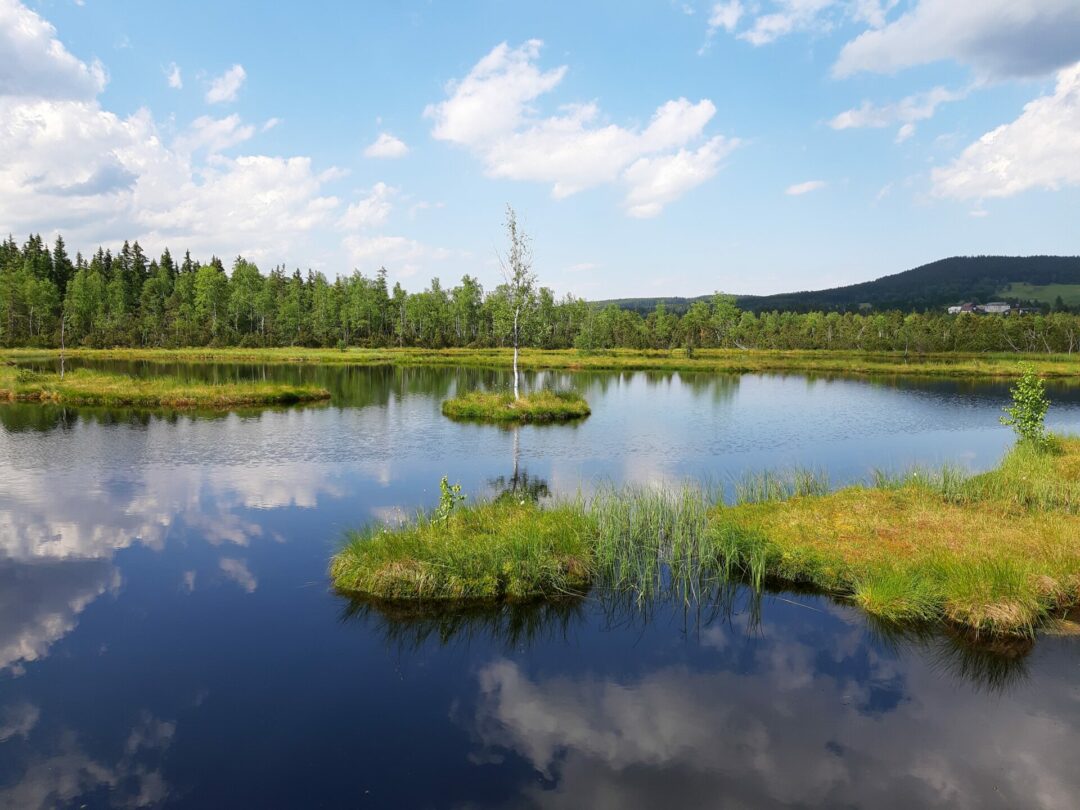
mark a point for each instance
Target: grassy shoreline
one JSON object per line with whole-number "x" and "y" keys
{"x": 95, "y": 388}
{"x": 501, "y": 407}
{"x": 1003, "y": 366}
{"x": 995, "y": 554}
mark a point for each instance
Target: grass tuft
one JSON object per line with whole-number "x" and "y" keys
{"x": 535, "y": 406}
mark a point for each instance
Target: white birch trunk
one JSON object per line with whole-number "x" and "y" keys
{"x": 517, "y": 392}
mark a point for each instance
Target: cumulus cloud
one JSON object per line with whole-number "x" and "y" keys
{"x": 386, "y": 146}
{"x": 996, "y": 38}
{"x": 36, "y": 64}
{"x": 214, "y": 134}
{"x": 654, "y": 182}
{"x": 72, "y": 165}
{"x": 1040, "y": 149}
{"x": 372, "y": 211}
{"x": 491, "y": 112}
{"x": 227, "y": 86}
{"x": 174, "y": 77}
{"x": 906, "y": 112}
{"x": 798, "y": 189}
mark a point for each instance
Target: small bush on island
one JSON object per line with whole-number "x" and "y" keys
{"x": 536, "y": 406}
{"x": 98, "y": 388}
{"x": 994, "y": 554}
{"x": 1027, "y": 414}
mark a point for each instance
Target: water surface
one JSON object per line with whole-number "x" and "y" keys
{"x": 167, "y": 636}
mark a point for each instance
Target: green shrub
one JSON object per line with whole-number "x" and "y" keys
{"x": 1027, "y": 413}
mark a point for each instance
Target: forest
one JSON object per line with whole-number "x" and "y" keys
{"x": 129, "y": 299}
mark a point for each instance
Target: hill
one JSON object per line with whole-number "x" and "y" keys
{"x": 1019, "y": 279}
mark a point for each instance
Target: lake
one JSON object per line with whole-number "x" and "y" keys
{"x": 168, "y": 636}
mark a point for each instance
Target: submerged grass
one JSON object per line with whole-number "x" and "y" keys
{"x": 1001, "y": 365}
{"x": 96, "y": 388}
{"x": 995, "y": 554}
{"x": 536, "y": 406}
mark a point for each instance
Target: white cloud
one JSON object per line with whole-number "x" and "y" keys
{"x": 492, "y": 99}
{"x": 996, "y": 38}
{"x": 18, "y": 720}
{"x": 799, "y": 189}
{"x": 36, "y": 64}
{"x": 490, "y": 112}
{"x": 270, "y": 123}
{"x": 1040, "y": 149}
{"x": 786, "y": 17}
{"x": 214, "y": 134}
{"x": 71, "y": 165}
{"x": 227, "y": 86}
{"x": 656, "y": 181}
{"x": 917, "y": 107}
{"x": 725, "y": 15}
{"x": 386, "y": 146}
{"x": 372, "y": 211}
{"x": 174, "y": 77}
{"x": 238, "y": 572}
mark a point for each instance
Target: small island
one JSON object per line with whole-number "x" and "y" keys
{"x": 503, "y": 407}
{"x": 993, "y": 553}
{"x": 104, "y": 389}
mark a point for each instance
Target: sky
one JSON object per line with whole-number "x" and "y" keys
{"x": 649, "y": 148}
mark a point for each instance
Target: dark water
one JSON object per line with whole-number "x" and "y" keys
{"x": 167, "y": 636}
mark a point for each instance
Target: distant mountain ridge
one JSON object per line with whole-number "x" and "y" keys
{"x": 931, "y": 286}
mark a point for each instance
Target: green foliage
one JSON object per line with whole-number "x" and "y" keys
{"x": 449, "y": 497}
{"x": 129, "y": 300}
{"x": 1027, "y": 414}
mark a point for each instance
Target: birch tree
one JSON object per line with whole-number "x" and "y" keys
{"x": 520, "y": 282}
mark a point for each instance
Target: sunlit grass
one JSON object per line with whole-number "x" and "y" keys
{"x": 1003, "y": 365}
{"x": 994, "y": 558}
{"x": 96, "y": 388}
{"x": 490, "y": 551}
{"x": 536, "y": 406}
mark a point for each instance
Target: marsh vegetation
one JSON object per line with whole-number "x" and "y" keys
{"x": 536, "y": 406}
{"x": 98, "y": 388}
{"x": 994, "y": 553}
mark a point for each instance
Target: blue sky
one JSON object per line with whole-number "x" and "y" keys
{"x": 650, "y": 148}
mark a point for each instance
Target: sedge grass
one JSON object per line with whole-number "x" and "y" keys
{"x": 536, "y": 406}
{"x": 96, "y": 388}
{"x": 923, "y": 548}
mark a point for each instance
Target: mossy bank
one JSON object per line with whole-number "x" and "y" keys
{"x": 995, "y": 553}
{"x": 96, "y": 388}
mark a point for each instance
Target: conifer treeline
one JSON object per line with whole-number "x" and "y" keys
{"x": 129, "y": 299}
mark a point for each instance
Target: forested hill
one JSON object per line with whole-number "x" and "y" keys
{"x": 932, "y": 286}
